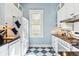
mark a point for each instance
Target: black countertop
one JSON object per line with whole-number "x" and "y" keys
{"x": 76, "y": 46}
{"x": 16, "y": 38}
{"x": 73, "y": 41}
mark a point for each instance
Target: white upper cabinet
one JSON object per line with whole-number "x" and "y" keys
{"x": 7, "y": 11}
{"x": 69, "y": 10}
{"x": 76, "y": 8}
{"x": 12, "y": 10}
{"x": 61, "y": 15}
{"x": 2, "y": 19}
{"x": 62, "y": 12}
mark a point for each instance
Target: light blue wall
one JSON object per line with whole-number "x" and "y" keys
{"x": 49, "y": 21}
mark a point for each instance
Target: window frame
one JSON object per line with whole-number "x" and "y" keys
{"x": 41, "y": 24}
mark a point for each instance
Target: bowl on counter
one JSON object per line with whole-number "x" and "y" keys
{"x": 75, "y": 34}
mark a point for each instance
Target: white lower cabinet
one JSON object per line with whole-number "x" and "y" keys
{"x": 55, "y": 44}
{"x": 60, "y": 45}
{"x": 18, "y": 48}
{"x": 14, "y": 48}
{"x": 4, "y": 50}
{"x": 63, "y": 45}
{"x": 24, "y": 47}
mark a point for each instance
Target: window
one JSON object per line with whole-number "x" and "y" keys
{"x": 36, "y": 23}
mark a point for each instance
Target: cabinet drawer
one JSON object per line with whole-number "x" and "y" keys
{"x": 61, "y": 47}
{"x": 64, "y": 43}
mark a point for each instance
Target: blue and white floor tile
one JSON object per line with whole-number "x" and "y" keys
{"x": 40, "y": 51}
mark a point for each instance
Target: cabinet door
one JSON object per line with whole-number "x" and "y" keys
{"x": 76, "y": 8}
{"x": 55, "y": 44}
{"x": 24, "y": 46}
{"x": 69, "y": 8}
{"x": 58, "y": 18}
{"x": 4, "y": 50}
{"x": 66, "y": 11}
{"x": 76, "y": 27}
{"x": 61, "y": 13}
{"x": 53, "y": 41}
{"x": 12, "y": 10}
{"x": 14, "y": 48}
{"x": 62, "y": 47}
{"x": 18, "y": 48}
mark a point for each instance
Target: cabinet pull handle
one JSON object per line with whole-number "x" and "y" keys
{"x": 72, "y": 14}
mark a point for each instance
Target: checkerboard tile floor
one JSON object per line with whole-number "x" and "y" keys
{"x": 40, "y": 51}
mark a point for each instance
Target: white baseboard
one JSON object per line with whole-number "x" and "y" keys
{"x": 40, "y": 45}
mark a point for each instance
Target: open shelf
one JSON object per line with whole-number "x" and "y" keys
{"x": 71, "y": 20}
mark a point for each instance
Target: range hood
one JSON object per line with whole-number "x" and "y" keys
{"x": 71, "y": 20}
